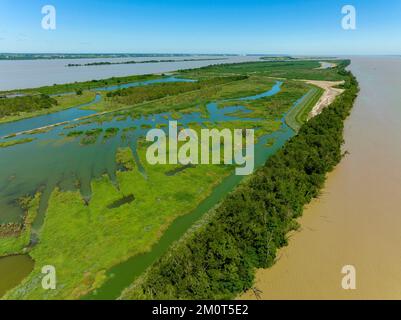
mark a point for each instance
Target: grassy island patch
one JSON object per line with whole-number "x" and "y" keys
{"x": 11, "y": 143}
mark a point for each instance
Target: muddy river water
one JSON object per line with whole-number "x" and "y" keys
{"x": 357, "y": 220}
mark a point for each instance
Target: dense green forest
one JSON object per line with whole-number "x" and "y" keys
{"x": 217, "y": 259}
{"x": 107, "y": 63}
{"x": 13, "y": 106}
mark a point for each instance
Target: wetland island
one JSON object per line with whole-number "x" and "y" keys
{"x": 77, "y": 193}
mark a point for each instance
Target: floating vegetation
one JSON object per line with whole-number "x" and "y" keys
{"x": 142, "y": 142}
{"x": 38, "y": 131}
{"x": 122, "y": 118}
{"x": 130, "y": 129}
{"x": 91, "y": 136}
{"x": 146, "y": 126}
{"x": 104, "y": 118}
{"x": 125, "y": 159}
{"x": 94, "y": 132}
{"x": 75, "y": 133}
{"x": 135, "y": 115}
{"x": 83, "y": 123}
{"x": 110, "y": 132}
{"x": 15, "y": 142}
{"x": 10, "y": 136}
{"x": 176, "y": 116}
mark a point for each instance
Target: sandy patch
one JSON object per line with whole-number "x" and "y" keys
{"x": 329, "y": 95}
{"x": 326, "y": 65}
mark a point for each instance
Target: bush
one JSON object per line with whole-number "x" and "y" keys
{"x": 13, "y": 106}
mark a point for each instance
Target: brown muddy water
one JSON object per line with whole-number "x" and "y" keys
{"x": 13, "y": 269}
{"x": 357, "y": 220}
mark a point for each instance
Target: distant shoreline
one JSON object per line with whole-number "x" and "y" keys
{"x": 60, "y": 56}
{"x": 108, "y": 63}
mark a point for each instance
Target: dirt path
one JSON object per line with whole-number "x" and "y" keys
{"x": 329, "y": 95}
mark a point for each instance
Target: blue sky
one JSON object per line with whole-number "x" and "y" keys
{"x": 202, "y": 26}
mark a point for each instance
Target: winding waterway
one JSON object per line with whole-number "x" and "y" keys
{"x": 357, "y": 219}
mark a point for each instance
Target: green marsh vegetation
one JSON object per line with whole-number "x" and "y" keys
{"x": 91, "y": 136}
{"x": 110, "y": 132}
{"x": 136, "y": 95}
{"x": 125, "y": 159}
{"x": 39, "y": 131}
{"x": 11, "y": 143}
{"x": 131, "y": 96}
{"x": 77, "y": 235}
{"x": 274, "y": 106}
{"x": 196, "y": 100}
{"x": 299, "y": 115}
{"x": 75, "y": 133}
{"x": 277, "y": 69}
{"x": 19, "y": 241}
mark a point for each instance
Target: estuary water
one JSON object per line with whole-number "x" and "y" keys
{"x": 357, "y": 220}
{"x": 22, "y": 74}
